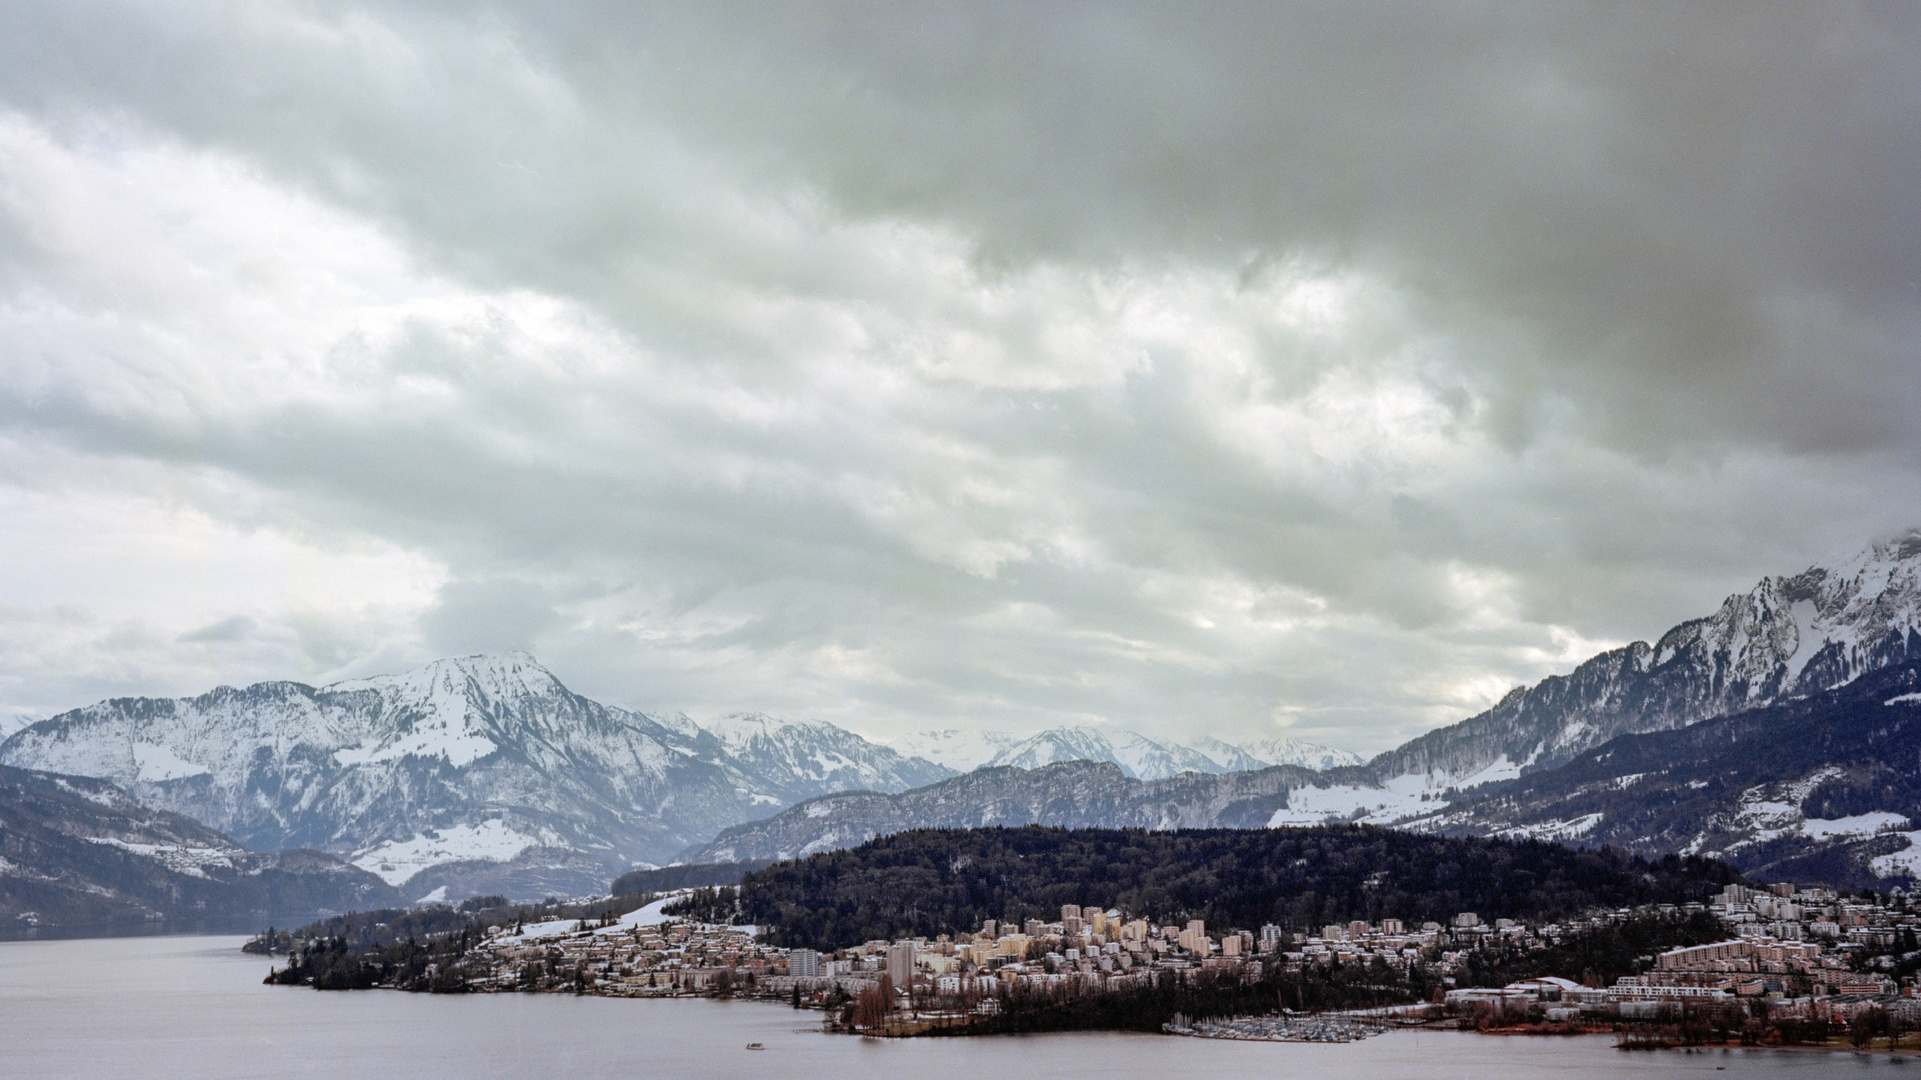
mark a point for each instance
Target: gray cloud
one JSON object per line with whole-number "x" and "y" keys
{"x": 487, "y": 616}
{"x": 1182, "y": 366}
{"x": 231, "y": 628}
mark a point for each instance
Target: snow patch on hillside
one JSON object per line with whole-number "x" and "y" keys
{"x": 441, "y": 738}
{"x": 397, "y": 860}
{"x": 652, "y": 915}
{"x": 1501, "y": 768}
{"x": 189, "y": 859}
{"x": 550, "y": 928}
{"x": 1900, "y": 863}
{"x": 1402, "y": 797}
{"x": 1571, "y": 829}
{"x": 1868, "y": 824}
{"x": 1768, "y": 812}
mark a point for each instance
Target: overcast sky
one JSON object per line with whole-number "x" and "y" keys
{"x": 1315, "y": 369}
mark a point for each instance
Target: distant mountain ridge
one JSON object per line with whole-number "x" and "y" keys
{"x": 1139, "y": 756}
{"x": 486, "y": 774}
{"x": 1071, "y": 794}
{"x": 1825, "y": 787}
{"x": 473, "y": 763}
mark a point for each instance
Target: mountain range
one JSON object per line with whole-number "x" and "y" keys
{"x": 1069, "y": 794}
{"x": 1139, "y": 756}
{"x": 1775, "y": 732}
{"x": 484, "y": 770}
{"x": 486, "y": 774}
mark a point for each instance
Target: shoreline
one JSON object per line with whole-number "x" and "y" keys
{"x": 1587, "y": 1037}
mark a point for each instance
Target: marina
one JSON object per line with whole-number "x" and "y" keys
{"x": 1295, "y": 1029}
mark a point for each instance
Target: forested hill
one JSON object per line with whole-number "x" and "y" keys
{"x": 937, "y": 881}
{"x": 81, "y": 856}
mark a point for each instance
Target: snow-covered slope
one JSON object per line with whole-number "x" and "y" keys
{"x": 1138, "y": 755}
{"x": 476, "y": 759}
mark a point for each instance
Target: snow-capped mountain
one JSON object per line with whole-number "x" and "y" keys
{"x": 959, "y": 749}
{"x": 484, "y": 761}
{"x": 792, "y": 760}
{"x": 76, "y": 852}
{"x": 1785, "y": 639}
{"x": 1285, "y": 751}
{"x": 1138, "y": 755}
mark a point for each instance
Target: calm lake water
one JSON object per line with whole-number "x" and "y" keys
{"x": 194, "y": 1007}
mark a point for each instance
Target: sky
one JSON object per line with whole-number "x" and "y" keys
{"x": 1309, "y": 370}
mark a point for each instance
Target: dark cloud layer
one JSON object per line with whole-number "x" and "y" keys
{"x": 1331, "y": 366}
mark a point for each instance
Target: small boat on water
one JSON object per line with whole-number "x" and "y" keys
{"x": 756, "y": 1046}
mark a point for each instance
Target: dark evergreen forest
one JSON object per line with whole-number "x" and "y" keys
{"x": 692, "y": 876}
{"x": 937, "y": 881}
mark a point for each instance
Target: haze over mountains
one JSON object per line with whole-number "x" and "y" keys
{"x": 1138, "y": 756}
{"x": 1775, "y": 731}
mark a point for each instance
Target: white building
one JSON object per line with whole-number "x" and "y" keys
{"x": 900, "y": 964}
{"x": 804, "y": 963}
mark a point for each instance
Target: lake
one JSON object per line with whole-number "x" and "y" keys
{"x": 167, "y": 1007}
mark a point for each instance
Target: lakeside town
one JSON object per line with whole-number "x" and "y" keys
{"x": 1804, "y": 964}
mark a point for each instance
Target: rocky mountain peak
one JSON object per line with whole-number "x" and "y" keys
{"x": 738, "y": 730}
{"x": 1787, "y": 637}
{"x": 480, "y": 679}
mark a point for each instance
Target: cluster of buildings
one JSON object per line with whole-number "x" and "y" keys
{"x": 1790, "y": 946}
{"x": 1807, "y": 952}
{"x": 1094, "y": 949}
{"x": 652, "y": 960}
